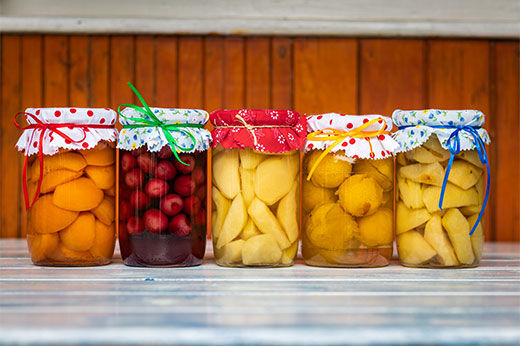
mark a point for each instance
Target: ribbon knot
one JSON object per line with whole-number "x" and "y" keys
{"x": 338, "y": 136}
{"x": 52, "y": 128}
{"x": 155, "y": 122}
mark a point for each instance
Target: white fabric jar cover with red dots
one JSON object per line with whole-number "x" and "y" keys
{"x": 85, "y": 128}
{"x": 352, "y": 135}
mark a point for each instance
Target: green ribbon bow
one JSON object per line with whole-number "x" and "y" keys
{"x": 155, "y": 122}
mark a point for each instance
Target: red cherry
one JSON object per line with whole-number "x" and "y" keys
{"x": 134, "y": 178}
{"x": 155, "y": 221}
{"x": 165, "y": 170}
{"x": 156, "y": 188}
{"x": 201, "y": 192}
{"x": 139, "y": 151}
{"x": 165, "y": 152}
{"x": 122, "y": 234}
{"x": 184, "y": 185}
{"x": 171, "y": 204}
{"x": 191, "y": 205}
{"x": 127, "y": 161}
{"x": 198, "y": 175}
{"x": 180, "y": 225}
{"x": 187, "y": 159}
{"x": 146, "y": 162}
{"x": 139, "y": 200}
{"x": 134, "y": 225}
{"x": 124, "y": 210}
{"x": 200, "y": 218}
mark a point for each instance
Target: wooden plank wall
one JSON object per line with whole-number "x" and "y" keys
{"x": 307, "y": 74}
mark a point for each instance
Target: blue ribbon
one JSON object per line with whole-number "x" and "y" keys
{"x": 454, "y": 148}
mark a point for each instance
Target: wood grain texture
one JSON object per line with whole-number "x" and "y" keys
{"x": 506, "y": 124}
{"x": 122, "y": 70}
{"x": 234, "y": 76}
{"x": 145, "y": 68}
{"x": 326, "y": 75}
{"x": 281, "y": 73}
{"x": 78, "y": 75}
{"x": 258, "y": 81}
{"x": 98, "y": 71}
{"x": 166, "y": 71}
{"x": 296, "y": 305}
{"x": 191, "y": 72}
{"x": 391, "y": 76}
{"x": 213, "y": 73}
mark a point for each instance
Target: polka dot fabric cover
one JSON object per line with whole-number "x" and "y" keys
{"x": 416, "y": 126}
{"x": 383, "y": 146}
{"x": 133, "y": 138}
{"x": 52, "y": 142}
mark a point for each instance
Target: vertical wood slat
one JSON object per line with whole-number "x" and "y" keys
{"x": 98, "y": 71}
{"x": 145, "y": 68}
{"x": 281, "y": 73}
{"x": 233, "y": 88}
{"x": 459, "y": 79}
{"x": 213, "y": 73}
{"x": 32, "y": 91}
{"x": 10, "y": 170}
{"x": 78, "y": 75}
{"x": 325, "y": 75}
{"x": 190, "y": 72}
{"x": 257, "y": 74}
{"x": 122, "y": 65}
{"x": 166, "y": 72}
{"x": 391, "y": 75}
{"x": 56, "y": 71}
{"x": 506, "y": 221}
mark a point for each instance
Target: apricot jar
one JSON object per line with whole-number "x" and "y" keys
{"x": 70, "y": 184}
{"x": 162, "y": 200}
{"x": 256, "y": 187}
{"x": 441, "y": 153}
{"x": 348, "y": 191}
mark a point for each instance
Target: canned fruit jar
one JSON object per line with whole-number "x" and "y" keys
{"x": 348, "y": 191}
{"x": 256, "y": 186}
{"x": 441, "y": 154}
{"x": 162, "y": 201}
{"x": 70, "y": 184}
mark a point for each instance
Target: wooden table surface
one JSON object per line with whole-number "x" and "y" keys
{"x": 298, "y": 305}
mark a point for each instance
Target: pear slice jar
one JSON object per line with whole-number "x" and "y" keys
{"x": 348, "y": 172}
{"x": 426, "y": 235}
{"x": 256, "y": 187}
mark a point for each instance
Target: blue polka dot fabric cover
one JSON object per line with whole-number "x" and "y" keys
{"x": 416, "y": 126}
{"x": 133, "y": 138}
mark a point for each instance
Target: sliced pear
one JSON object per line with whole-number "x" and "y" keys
{"x": 247, "y": 178}
{"x": 236, "y": 219}
{"x": 410, "y": 193}
{"x": 408, "y": 219}
{"x": 249, "y": 159}
{"x": 472, "y": 157}
{"x": 471, "y": 210}
{"x": 458, "y": 231}
{"x": 477, "y": 238}
{"x": 431, "y": 173}
{"x": 250, "y": 230}
{"x": 273, "y": 177}
{"x": 261, "y": 250}
{"x": 434, "y": 145}
{"x": 368, "y": 167}
{"x": 413, "y": 249}
{"x": 464, "y": 174}
{"x": 222, "y": 204}
{"x": 231, "y": 252}
{"x": 287, "y": 212}
{"x": 438, "y": 239}
{"x": 401, "y": 159}
{"x": 225, "y": 173}
{"x": 454, "y": 197}
{"x": 289, "y": 254}
{"x": 267, "y": 222}
{"x": 423, "y": 155}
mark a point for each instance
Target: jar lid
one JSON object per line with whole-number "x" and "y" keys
{"x": 359, "y": 136}
{"x": 191, "y": 139}
{"x": 416, "y": 126}
{"x": 266, "y": 130}
{"x": 52, "y": 129}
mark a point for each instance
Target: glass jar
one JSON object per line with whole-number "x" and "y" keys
{"x": 426, "y": 235}
{"x": 162, "y": 208}
{"x": 348, "y": 192}
{"x": 162, "y": 185}
{"x": 256, "y": 187}
{"x": 71, "y": 197}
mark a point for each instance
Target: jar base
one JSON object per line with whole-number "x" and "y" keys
{"x": 231, "y": 265}
{"x": 432, "y": 266}
{"x": 71, "y": 264}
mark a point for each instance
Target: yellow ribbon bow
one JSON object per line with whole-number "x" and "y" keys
{"x": 339, "y": 136}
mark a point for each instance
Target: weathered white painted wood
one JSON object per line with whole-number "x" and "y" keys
{"x": 464, "y": 18}
{"x": 298, "y": 305}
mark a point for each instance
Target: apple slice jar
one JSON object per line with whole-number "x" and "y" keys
{"x": 442, "y": 187}
{"x": 162, "y": 201}
{"x": 256, "y": 186}
{"x": 348, "y": 189}
{"x": 69, "y": 185}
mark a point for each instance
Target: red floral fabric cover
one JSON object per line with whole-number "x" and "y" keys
{"x": 276, "y": 131}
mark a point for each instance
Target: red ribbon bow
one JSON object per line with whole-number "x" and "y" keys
{"x": 43, "y": 127}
